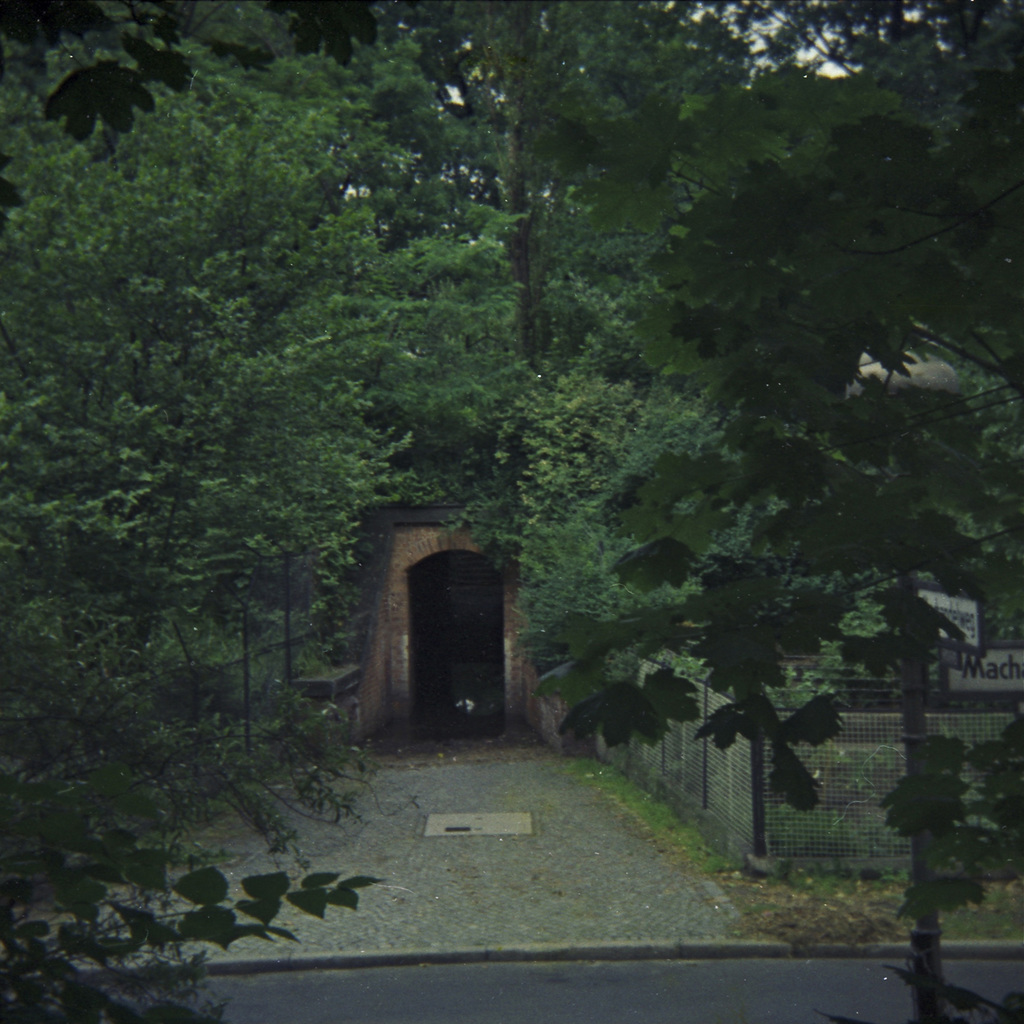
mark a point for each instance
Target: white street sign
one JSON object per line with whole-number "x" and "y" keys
{"x": 964, "y": 612}
{"x": 999, "y": 671}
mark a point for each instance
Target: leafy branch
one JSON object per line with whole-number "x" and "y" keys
{"x": 939, "y": 232}
{"x": 77, "y": 896}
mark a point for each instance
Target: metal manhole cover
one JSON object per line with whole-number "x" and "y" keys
{"x": 512, "y": 824}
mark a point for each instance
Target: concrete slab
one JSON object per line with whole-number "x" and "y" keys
{"x": 508, "y": 824}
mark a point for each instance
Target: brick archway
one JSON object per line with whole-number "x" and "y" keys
{"x": 386, "y": 691}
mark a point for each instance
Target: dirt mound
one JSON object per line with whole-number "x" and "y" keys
{"x": 777, "y": 913}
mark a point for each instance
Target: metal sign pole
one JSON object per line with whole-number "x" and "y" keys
{"x": 925, "y": 954}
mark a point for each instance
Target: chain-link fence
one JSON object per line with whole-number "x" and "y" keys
{"x": 698, "y": 778}
{"x": 728, "y": 790}
{"x": 277, "y": 620}
{"x": 259, "y": 652}
{"x": 854, "y": 772}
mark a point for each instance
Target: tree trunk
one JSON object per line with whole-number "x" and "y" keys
{"x": 513, "y": 57}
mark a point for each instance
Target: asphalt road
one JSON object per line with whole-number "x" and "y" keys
{"x": 647, "y": 992}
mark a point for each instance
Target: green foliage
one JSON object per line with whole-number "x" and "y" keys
{"x": 164, "y": 423}
{"x": 499, "y": 73}
{"x": 149, "y": 394}
{"x": 428, "y": 333}
{"x": 572, "y": 452}
{"x": 148, "y": 35}
{"x": 970, "y": 798}
{"x": 771, "y": 314}
{"x": 813, "y": 221}
{"x": 201, "y": 757}
{"x": 923, "y": 49}
{"x": 295, "y": 290}
{"x": 109, "y": 902}
{"x": 330, "y": 26}
{"x": 571, "y": 436}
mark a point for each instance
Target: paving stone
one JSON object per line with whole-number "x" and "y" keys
{"x": 584, "y": 876}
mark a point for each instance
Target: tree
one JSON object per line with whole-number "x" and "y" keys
{"x": 500, "y": 71}
{"x": 132, "y": 46}
{"x": 387, "y": 241}
{"x": 428, "y": 335}
{"x": 572, "y": 451}
{"x": 563, "y": 336}
{"x": 921, "y": 49}
{"x": 112, "y": 900}
{"x": 152, "y": 447}
{"x": 822, "y": 221}
{"x": 164, "y": 420}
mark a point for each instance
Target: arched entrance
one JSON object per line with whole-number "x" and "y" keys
{"x": 456, "y": 606}
{"x": 402, "y": 542}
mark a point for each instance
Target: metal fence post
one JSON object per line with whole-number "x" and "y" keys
{"x": 704, "y": 802}
{"x": 287, "y": 619}
{"x": 246, "y": 678}
{"x": 757, "y": 818}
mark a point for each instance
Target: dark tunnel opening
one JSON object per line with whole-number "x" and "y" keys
{"x": 456, "y": 600}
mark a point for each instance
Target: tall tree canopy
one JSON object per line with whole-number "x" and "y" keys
{"x": 153, "y": 446}
{"x": 260, "y": 277}
{"x": 817, "y": 223}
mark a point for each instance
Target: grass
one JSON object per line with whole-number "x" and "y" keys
{"x": 802, "y": 904}
{"x": 677, "y": 838}
{"x": 999, "y": 916}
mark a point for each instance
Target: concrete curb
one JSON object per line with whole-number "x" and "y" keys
{"x": 982, "y": 950}
{"x": 952, "y": 950}
{"x": 610, "y": 952}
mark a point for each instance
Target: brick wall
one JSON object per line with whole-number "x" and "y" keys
{"x": 386, "y": 690}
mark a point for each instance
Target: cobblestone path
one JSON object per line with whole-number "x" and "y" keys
{"x": 586, "y": 875}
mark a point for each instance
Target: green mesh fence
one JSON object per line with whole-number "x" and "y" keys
{"x": 696, "y": 776}
{"x": 853, "y": 771}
